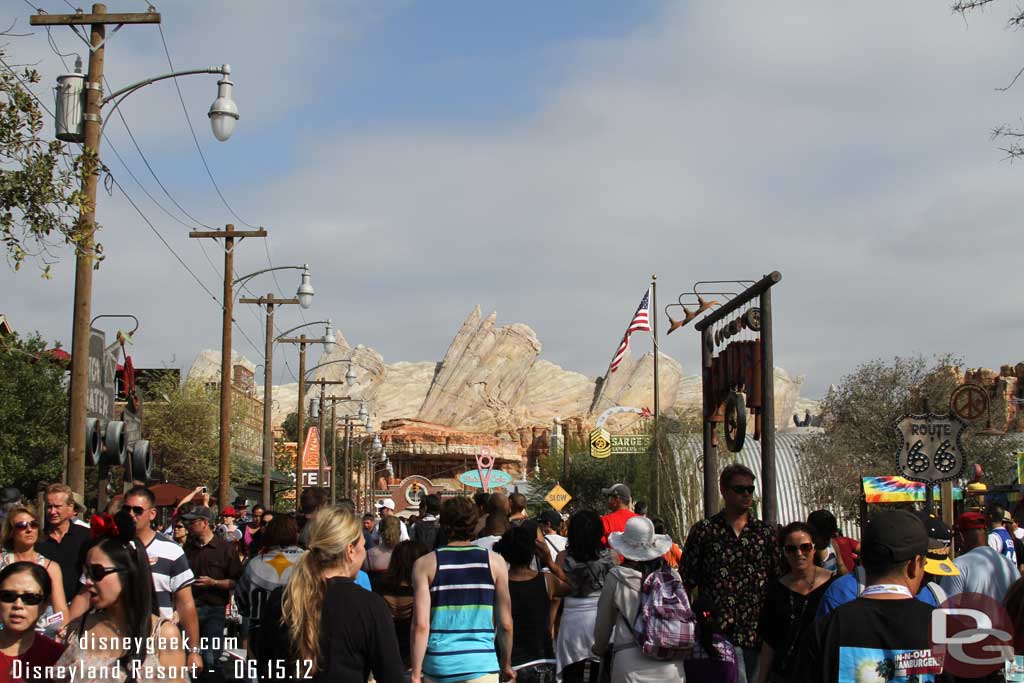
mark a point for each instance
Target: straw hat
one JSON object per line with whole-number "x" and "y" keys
{"x": 638, "y": 541}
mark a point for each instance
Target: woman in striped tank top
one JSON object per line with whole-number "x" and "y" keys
{"x": 460, "y": 598}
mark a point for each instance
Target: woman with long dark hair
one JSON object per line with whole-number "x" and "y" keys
{"x": 396, "y": 589}
{"x": 122, "y": 611}
{"x": 531, "y": 593}
{"x": 586, "y": 563}
{"x": 792, "y": 603}
{"x": 24, "y": 595}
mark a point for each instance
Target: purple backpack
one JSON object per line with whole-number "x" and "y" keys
{"x": 665, "y": 625}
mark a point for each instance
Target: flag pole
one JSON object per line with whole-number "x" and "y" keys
{"x": 655, "y": 474}
{"x": 604, "y": 382}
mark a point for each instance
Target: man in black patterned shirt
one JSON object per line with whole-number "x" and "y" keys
{"x": 730, "y": 558}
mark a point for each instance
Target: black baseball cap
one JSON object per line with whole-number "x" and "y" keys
{"x": 620, "y": 491}
{"x": 551, "y": 517}
{"x": 893, "y": 536}
{"x": 198, "y": 512}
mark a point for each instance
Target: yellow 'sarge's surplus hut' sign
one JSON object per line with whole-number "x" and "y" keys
{"x": 603, "y": 444}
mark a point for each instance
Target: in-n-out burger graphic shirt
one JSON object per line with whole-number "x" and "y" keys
{"x": 872, "y": 640}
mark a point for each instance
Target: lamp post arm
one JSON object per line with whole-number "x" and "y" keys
{"x": 350, "y": 359}
{"x": 124, "y": 92}
{"x": 223, "y": 69}
{"x": 269, "y": 270}
{"x": 311, "y": 340}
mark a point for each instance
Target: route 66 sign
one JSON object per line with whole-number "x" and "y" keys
{"x": 930, "y": 447}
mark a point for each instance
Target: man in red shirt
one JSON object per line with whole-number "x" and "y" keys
{"x": 619, "y": 498}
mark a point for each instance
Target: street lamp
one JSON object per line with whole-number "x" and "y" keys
{"x": 79, "y": 105}
{"x": 224, "y": 112}
{"x": 302, "y": 299}
{"x": 350, "y": 376}
{"x": 305, "y": 293}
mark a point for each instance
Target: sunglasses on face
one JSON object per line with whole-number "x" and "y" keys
{"x": 803, "y": 548}
{"x": 740, "y": 490}
{"x": 21, "y": 526}
{"x": 136, "y": 510}
{"x": 97, "y": 572}
{"x": 179, "y": 526}
{"x": 27, "y": 598}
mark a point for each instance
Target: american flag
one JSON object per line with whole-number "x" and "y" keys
{"x": 641, "y": 322}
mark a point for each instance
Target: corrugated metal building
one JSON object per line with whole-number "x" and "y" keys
{"x": 791, "y": 505}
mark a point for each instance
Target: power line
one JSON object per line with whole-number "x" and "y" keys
{"x": 195, "y": 139}
{"x": 153, "y": 173}
{"x": 184, "y": 265}
{"x": 213, "y": 181}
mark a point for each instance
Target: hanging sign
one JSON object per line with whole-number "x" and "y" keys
{"x": 930, "y": 448}
{"x": 497, "y": 479}
{"x": 102, "y": 373}
{"x": 558, "y": 497}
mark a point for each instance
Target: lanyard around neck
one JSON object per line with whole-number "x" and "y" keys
{"x": 887, "y": 588}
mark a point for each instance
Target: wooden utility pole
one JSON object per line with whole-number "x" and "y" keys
{"x": 228, "y": 234}
{"x": 760, "y": 290}
{"x": 268, "y": 375}
{"x": 85, "y": 230}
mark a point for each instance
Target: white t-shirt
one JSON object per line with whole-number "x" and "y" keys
{"x": 556, "y": 544}
{"x": 487, "y": 542}
{"x": 982, "y": 570}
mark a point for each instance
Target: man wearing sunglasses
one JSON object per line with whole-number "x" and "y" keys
{"x": 731, "y": 558}
{"x": 172, "y": 576}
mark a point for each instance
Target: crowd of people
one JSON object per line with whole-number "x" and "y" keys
{"x": 477, "y": 589}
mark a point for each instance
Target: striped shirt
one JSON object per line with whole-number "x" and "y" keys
{"x": 171, "y": 572}
{"x": 461, "y": 642}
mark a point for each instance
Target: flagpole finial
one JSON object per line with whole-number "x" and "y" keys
{"x": 654, "y": 277}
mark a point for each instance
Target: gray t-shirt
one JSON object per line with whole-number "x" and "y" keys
{"x": 982, "y": 570}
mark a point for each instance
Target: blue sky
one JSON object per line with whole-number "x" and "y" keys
{"x": 543, "y": 159}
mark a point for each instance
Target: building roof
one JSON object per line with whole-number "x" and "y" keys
{"x": 5, "y": 327}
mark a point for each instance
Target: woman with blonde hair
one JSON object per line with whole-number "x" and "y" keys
{"x": 342, "y": 630}
{"x": 20, "y": 533}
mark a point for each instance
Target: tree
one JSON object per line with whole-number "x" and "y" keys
{"x": 33, "y": 414}
{"x": 40, "y": 199}
{"x": 1012, "y": 135}
{"x": 588, "y": 475}
{"x": 859, "y": 439}
{"x": 182, "y": 422}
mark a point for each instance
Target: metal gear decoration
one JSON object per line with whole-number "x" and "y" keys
{"x": 735, "y": 422}
{"x": 753, "y": 319}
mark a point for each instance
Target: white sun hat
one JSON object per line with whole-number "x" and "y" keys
{"x": 638, "y": 541}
